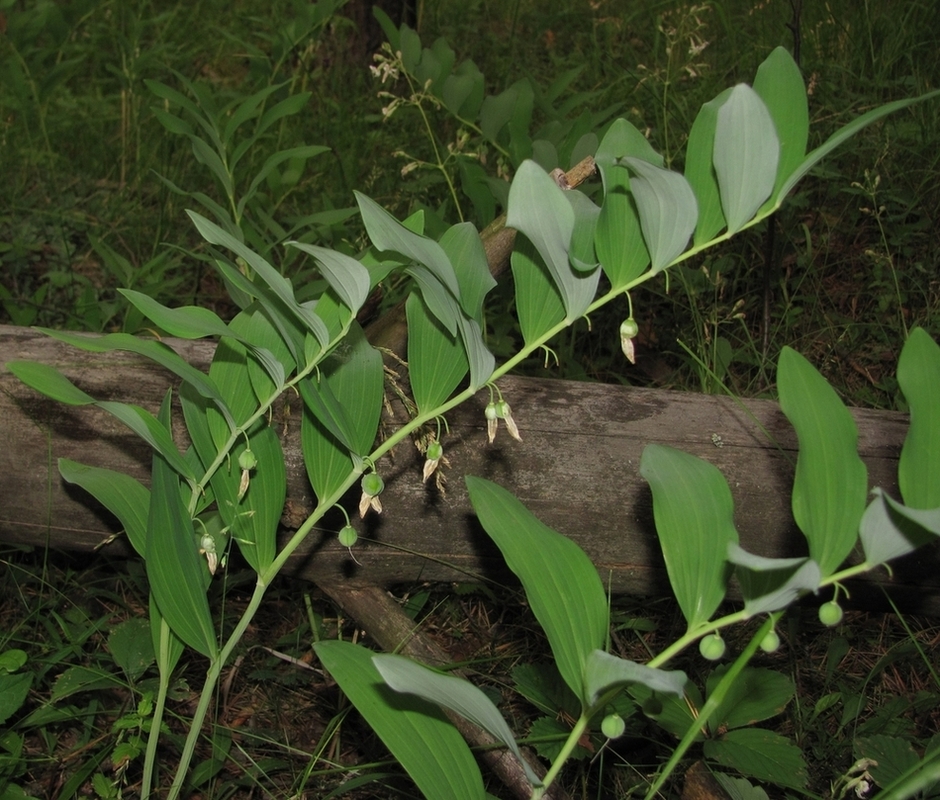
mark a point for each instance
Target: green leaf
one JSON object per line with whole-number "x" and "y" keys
{"x": 464, "y": 247}
{"x": 253, "y": 520}
{"x": 890, "y": 530}
{"x": 694, "y": 516}
{"x": 831, "y": 481}
{"x": 349, "y": 279}
{"x": 605, "y": 671}
{"x": 538, "y": 209}
{"x": 844, "y": 133}
{"x": 131, "y": 646}
{"x": 560, "y": 582}
{"x": 14, "y": 689}
{"x": 618, "y": 238}
{"x": 50, "y": 382}
{"x": 178, "y": 579}
{"x": 436, "y": 360}
{"x": 700, "y": 170}
{"x": 416, "y": 732}
{"x": 167, "y": 646}
{"x": 760, "y": 754}
{"x": 327, "y": 461}
{"x": 146, "y": 426}
{"x": 667, "y": 208}
{"x": 121, "y": 494}
{"x": 438, "y": 300}
{"x": 281, "y": 287}
{"x": 456, "y": 694}
{"x": 157, "y": 352}
{"x": 347, "y": 398}
{"x": 919, "y": 379}
{"x": 780, "y": 85}
{"x": 186, "y": 322}
{"x": 621, "y": 140}
{"x": 755, "y": 695}
{"x": 769, "y": 584}
{"x": 747, "y": 152}
{"x": 539, "y": 305}
{"x": 581, "y": 252}
{"x": 387, "y": 233}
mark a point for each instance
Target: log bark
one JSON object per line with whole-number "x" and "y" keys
{"x": 576, "y": 469}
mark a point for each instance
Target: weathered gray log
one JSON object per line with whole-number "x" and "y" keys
{"x": 577, "y": 469}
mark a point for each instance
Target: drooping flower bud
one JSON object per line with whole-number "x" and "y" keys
{"x": 628, "y": 331}
{"x": 492, "y": 420}
{"x": 372, "y": 486}
{"x": 435, "y": 453}
{"x": 504, "y": 412}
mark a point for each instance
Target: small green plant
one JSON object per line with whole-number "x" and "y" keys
{"x": 746, "y": 151}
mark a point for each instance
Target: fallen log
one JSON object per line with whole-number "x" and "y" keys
{"x": 576, "y": 469}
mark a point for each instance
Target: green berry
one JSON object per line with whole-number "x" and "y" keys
{"x": 629, "y": 328}
{"x": 613, "y": 726}
{"x": 347, "y": 536}
{"x": 771, "y": 642}
{"x": 712, "y": 646}
{"x": 247, "y": 460}
{"x": 372, "y": 484}
{"x": 435, "y": 451}
{"x": 830, "y": 614}
{"x": 490, "y": 411}
{"x": 502, "y": 409}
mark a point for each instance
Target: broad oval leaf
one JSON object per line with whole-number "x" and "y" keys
{"x": 187, "y": 322}
{"x": 667, "y": 207}
{"x": 560, "y": 582}
{"x": 539, "y": 306}
{"x": 694, "y": 515}
{"x": 436, "y": 360}
{"x": 177, "y": 578}
{"x": 581, "y": 253}
{"x": 754, "y": 695}
{"x": 349, "y": 279}
{"x": 464, "y": 248}
{"x": 122, "y": 495}
{"x": 50, "y": 382}
{"x": 387, "y": 233}
{"x": 890, "y": 530}
{"x": 761, "y": 754}
{"x": 605, "y": 672}
{"x": 700, "y": 170}
{"x": 769, "y": 584}
{"x": 780, "y": 85}
{"x": 416, "y": 732}
{"x": 747, "y": 152}
{"x": 919, "y": 379}
{"x": 457, "y": 694}
{"x": 831, "y": 481}
{"x": 538, "y": 209}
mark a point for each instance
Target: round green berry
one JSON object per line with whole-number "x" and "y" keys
{"x": 712, "y": 646}
{"x": 347, "y": 536}
{"x": 435, "y": 451}
{"x": 629, "y": 328}
{"x": 613, "y": 726}
{"x": 372, "y": 484}
{"x": 830, "y": 614}
{"x": 247, "y": 460}
{"x": 771, "y": 642}
{"x": 490, "y": 411}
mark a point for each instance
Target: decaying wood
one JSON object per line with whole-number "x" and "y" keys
{"x": 576, "y": 469}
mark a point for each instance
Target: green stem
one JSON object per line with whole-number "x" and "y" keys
{"x": 208, "y": 690}
{"x": 714, "y": 701}
{"x": 567, "y": 749}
